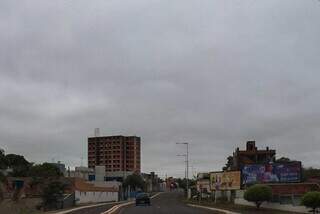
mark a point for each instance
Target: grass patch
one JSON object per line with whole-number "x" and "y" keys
{"x": 236, "y": 208}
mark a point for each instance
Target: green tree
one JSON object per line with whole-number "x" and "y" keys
{"x": 283, "y": 160}
{"x": 44, "y": 170}
{"x": 3, "y": 161}
{"x": 19, "y": 165}
{"x": 135, "y": 182}
{"x": 311, "y": 200}
{"x": 2, "y": 179}
{"x": 258, "y": 194}
{"x": 310, "y": 172}
{"x": 52, "y": 193}
{"x": 229, "y": 164}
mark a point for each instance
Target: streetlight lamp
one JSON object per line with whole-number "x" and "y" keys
{"x": 187, "y": 163}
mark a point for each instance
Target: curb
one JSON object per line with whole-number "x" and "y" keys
{"x": 116, "y": 207}
{"x": 213, "y": 209}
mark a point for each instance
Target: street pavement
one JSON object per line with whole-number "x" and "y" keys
{"x": 93, "y": 210}
{"x": 165, "y": 203}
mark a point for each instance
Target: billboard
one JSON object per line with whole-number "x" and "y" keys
{"x": 203, "y": 185}
{"x": 225, "y": 180}
{"x": 272, "y": 173}
{"x": 203, "y": 176}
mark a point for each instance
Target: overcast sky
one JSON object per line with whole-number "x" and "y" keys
{"x": 213, "y": 73}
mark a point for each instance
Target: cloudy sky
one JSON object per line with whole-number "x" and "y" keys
{"x": 215, "y": 73}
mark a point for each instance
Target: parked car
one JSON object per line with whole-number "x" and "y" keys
{"x": 143, "y": 198}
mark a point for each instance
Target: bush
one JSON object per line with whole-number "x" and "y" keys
{"x": 258, "y": 194}
{"x": 222, "y": 199}
{"x": 311, "y": 200}
{"x": 52, "y": 194}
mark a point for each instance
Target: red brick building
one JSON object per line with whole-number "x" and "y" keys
{"x": 293, "y": 188}
{"x": 252, "y": 155}
{"x": 116, "y": 153}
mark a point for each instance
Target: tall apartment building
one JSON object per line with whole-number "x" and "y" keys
{"x": 117, "y": 153}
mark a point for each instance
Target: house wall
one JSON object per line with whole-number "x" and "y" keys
{"x": 95, "y": 197}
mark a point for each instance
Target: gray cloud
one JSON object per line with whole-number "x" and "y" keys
{"x": 215, "y": 73}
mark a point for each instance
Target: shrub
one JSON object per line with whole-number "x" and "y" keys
{"x": 311, "y": 200}
{"x": 52, "y": 193}
{"x": 258, "y": 194}
{"x": 222, "y": 199}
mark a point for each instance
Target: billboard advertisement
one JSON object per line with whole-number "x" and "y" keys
{"x": 272, "y": 173}
{"x": 203, "y": 176}
{"x": 203, "y": 185}
{"x": 225, "y": 180}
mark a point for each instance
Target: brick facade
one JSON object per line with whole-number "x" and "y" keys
{"x": 116, "y": 153}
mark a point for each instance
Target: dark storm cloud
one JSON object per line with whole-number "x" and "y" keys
{"x": 214, "y": 73}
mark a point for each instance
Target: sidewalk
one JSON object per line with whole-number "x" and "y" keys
{"x": 233, "y": 208}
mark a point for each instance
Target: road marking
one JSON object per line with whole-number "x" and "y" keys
{"x": 116, "y": 207}
{"x": 84, "y": 207}
{"x": 214, "y": 209}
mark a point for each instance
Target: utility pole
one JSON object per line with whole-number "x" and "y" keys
{"x": 187, "y": 163}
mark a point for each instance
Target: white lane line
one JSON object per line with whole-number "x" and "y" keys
{"x": 116, "y": 207}
{"x": 84, "y": 207}
{"x": 213, "y": 209}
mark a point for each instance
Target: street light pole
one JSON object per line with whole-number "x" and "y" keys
{"x": 187, "y": 163}
{"x": 187, "y": 169}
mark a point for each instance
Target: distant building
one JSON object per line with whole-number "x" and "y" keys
{"x": 61, "y": 167}
{"x": 152, "y": 182}
{"x": 203, "y": 182}
{"x": 121, "y": 155}
{"x": 171, "y": 183}
{"x": 86, "y": 192}
{"x": 252, "y": 155}
{"x": 82, "y": 172}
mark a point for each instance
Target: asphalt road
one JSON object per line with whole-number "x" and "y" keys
{"x": 93, "y": 210}
{"x": 165, "y": 203}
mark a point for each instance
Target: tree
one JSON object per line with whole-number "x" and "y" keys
{"x": 19, "y": 165}
{"x": 52, "y": 193}
{"x": 308, "y": 173}
{"x": 2, "y": 179}
{"x": 283, "y": 160}
{"x": 229, "y": 164}
{"x": 258, "y": 194}
{"x": 3, "y": 161}
{"x": 44, "y": 170}
{"x": 311, "y": 200}
{"x": 135, "y": 181}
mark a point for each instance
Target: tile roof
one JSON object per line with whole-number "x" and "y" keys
{"x": 82, "y": 185}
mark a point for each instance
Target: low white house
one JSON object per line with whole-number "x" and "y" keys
{"x": 86, "y": 192}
